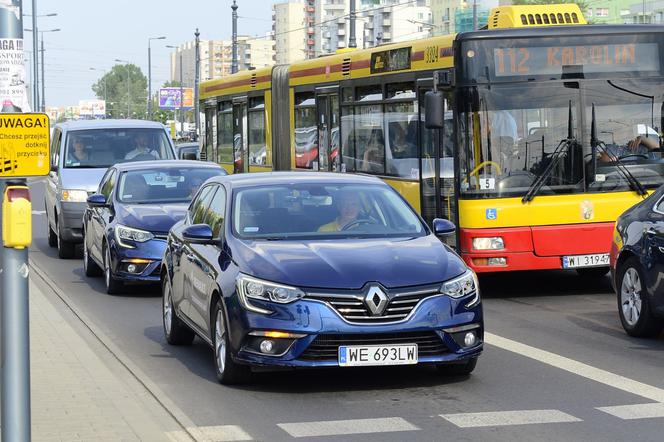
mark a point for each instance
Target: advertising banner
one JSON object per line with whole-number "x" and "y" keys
{"x": 169, "y": 98}
{"x": 13, "y": 92}
{"x": 92, "y": 108}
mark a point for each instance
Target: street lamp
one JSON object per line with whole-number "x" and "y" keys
{"x": 43, "y": 80}
{"x": 150, "y": 75}
{"x": 35, "y": 49}
{"x": 127, "y": 63}
{"x": 181, "y": 94}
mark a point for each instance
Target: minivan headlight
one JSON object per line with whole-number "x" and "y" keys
{"x": 249, "y": 288}
{"x": 124, "y": 233}
{"x": 461, "y": 286}
{"x": 74, "y": 196}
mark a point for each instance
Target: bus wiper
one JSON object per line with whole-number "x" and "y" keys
{"x": 556, "y": 155}
{"x": 596, "y": 144}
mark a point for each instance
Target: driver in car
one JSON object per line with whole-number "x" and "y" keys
{"x": 642, "y": 145}
{"x": 349, "y": 209}
{"x": 142, "y": 148}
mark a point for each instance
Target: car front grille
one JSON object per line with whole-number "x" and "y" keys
{"x": 352, "y": 305}
{"x": 326, "y": 346}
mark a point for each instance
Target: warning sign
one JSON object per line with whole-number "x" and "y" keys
{"x": 24, "y": 145}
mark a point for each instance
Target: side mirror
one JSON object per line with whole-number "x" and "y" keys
{"x": 443, "y": 227}
{"x": 54, "y": 167}
{"x": 434, "y": 110}
{"x": 198, "y": 234}
{"x": 97, "y": 200}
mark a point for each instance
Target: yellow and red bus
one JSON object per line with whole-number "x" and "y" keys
{"x": 512, "y": 160}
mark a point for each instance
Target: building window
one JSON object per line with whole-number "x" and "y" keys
{"x": 602, "y": 12}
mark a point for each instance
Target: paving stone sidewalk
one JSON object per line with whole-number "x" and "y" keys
{"x": 79, "y": 391}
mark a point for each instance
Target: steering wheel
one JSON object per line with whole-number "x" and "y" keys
{"x": 144, "y": 157}
{"x": 638, "y": 155}
{"x": 484, "y": 164}
{"x": 359, "y": 222}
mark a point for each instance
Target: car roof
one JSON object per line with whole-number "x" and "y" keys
{"x": 109, "y": 124}
{"x": 165, "y": 164}
{"x": 268, "y": 178}
{"x": 179, "y": 145}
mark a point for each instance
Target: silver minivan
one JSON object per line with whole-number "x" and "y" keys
{"x": 81, "y": 151}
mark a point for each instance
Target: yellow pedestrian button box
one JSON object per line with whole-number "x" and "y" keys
{"x": 24, "y": 145}
{"x": 16, "y": 217}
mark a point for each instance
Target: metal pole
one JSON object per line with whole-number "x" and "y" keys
{"x": 474, "y": 15}
{"x": 128, "y": 91}
{"x": 181, "y": 100}
{"x": 149, "y": 82}
{"x": 234, "y": 59}
{"x": 35, "y": 65}
{"x": 352, "y": 43}
{"x": 43, "y": 79}
{"x": 197, "y": 80}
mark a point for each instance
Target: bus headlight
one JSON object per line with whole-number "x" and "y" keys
{"x": 489, "y": 243}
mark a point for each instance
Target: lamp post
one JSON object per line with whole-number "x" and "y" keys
{"x": 35, "y": 50}
{"x": 181, "y": 94}
{"x": 127, "y": 63}
{"x": 43, "y": 80}
{"x": 150, "y": 75}
{"x": 234, "y": 39}
{"x": 104, "y": 78}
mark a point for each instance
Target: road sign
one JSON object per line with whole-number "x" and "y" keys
{"x": 24, "y": 145}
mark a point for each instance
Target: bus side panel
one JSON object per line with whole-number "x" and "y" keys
{"x": 410, "y": 190}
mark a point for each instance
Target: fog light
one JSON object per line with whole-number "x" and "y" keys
{"x": 131, "y": 268}
{"x": 470, "y": 339}
{"x": 497, "y": 261}
{"x": 267, "y": 346}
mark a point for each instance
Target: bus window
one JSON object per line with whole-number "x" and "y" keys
{"x": 225, "y": 134}
{"x": 401, "y": 126}
{"x": 209, "y": 132}
{"x": 306, "y": 133}
{"x": 348, "y": 140}
{"x": 369, "y": 139}
{"x": 257, "y": 147}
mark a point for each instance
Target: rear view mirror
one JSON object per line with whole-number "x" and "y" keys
{"x": 198, "y": 234}
{"x": 443, "y": 227}
{"x": 97, "y": 200}
{"x": 434, "y": 110}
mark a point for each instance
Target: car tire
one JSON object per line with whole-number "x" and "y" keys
{"x": 228, "y": 371}
{"x": 90, "y": 267}
{"x": 66, "y": 249}
{"x": 593, "y": 272}
{"x": 176, "y": 331}
{"x": 460, "y": 369}
{"x": 113, "y": 285}
{"x": 634, "y": 309}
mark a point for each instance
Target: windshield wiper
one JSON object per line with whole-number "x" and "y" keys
{"x": 555, "y": 156}
{"x": 634, "y": 183}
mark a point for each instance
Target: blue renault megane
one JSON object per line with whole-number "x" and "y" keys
{"x": 317, "y": 270}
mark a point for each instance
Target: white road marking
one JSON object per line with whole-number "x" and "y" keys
{"x": 637, "y": 411}
{"x": 350, "y": 426}
{"x": 39, "y": 212}
{"x": 503, "y": 418}
{"x": 220, "y": 433}
{"x": 579, "y": 368}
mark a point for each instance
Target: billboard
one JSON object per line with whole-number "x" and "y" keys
{"x": 169, "y": 98}
{"x": 92, "y": 108}
{"x": 13, "y": 91}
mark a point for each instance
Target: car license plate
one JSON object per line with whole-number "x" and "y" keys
{"x": 364, "y": 355}
{"x": 595, "y": 260}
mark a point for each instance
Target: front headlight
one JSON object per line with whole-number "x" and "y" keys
{"x": 461, "y": 286}
{"x": 74, "y": 196}
{"x": 488, "y": 243}
{"x": 249, "y": 288}
{"x": 124, "y": 233}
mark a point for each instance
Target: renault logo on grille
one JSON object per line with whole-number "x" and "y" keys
{"x": 376, "y": 300}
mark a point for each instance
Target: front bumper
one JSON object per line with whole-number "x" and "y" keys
{"x": 150, "y": 251}
{"x": 70, "y": 221}
{"x": 325, "y": 330}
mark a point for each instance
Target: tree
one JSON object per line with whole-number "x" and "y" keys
{"x": 125, "y": 89}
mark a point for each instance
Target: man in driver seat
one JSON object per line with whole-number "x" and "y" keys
{"x": 642, "y": 146}
{"x": 142, "y": 148}
{"x": 349, "y": 209}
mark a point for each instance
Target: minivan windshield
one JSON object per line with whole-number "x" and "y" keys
{"x": 101, "y": 148}
{"x": 323, "y": 211}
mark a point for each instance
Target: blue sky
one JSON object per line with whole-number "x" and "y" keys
{"x": 94, "y": 33}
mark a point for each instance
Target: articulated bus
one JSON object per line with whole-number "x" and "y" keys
{"x": 547, "y": 129}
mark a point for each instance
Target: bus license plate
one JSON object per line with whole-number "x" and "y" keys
{"x": 595, "y": 260}
{"x": 365, "y": 355}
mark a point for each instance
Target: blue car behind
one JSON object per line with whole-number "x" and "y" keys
{"x": 317, "y": 270}
{"x": 127, "y": 221}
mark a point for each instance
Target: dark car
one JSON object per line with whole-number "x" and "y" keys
{"x": 188, "y": 151}
{"x": 127, "y": 220}
{"x": 637, "y": 266}
{"x": 316, "y": 270}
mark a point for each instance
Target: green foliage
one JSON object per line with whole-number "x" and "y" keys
{"x": 125, "y": 88}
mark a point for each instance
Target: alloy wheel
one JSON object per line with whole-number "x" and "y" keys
{"x": 168, "y": 308}
{"x": 107, "y": 267}
{"x": 630, "y": 296}
{"x": 220, "y": 341}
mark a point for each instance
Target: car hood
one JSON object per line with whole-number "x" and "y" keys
{"x": 81, "y": 179}
{"x": 150, "y": 217}
{"x": 351, "y": 263}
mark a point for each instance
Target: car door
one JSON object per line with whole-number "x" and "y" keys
{"x": 50, "y": 193}
{"x": 202, "y": 263}
{"x": 653, "y": 244}
{"x": 184, "y": 279}
{"x": 99, "y": 216}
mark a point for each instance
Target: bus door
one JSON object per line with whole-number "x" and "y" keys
{"x": 327, "y": 117}
{"x": 209, "y": 120}
{"x": 240, "y": 150}
{"x": 438, "y": 196}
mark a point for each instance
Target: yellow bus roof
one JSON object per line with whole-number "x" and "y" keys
{"x": 525, "y": 16}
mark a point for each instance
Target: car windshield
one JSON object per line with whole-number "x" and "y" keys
{"x": 101, "y": 148}
{"x": 163, "y": 185}
{"x": 325, "y": 211}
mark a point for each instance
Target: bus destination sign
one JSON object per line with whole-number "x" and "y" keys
{"x": 550, "y": 60}
{"x": 390, "y": 61}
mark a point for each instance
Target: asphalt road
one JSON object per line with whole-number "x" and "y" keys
{"x": 557, "y": 366}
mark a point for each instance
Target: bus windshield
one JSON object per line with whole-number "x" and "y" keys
{"x": 510, "y": 133}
